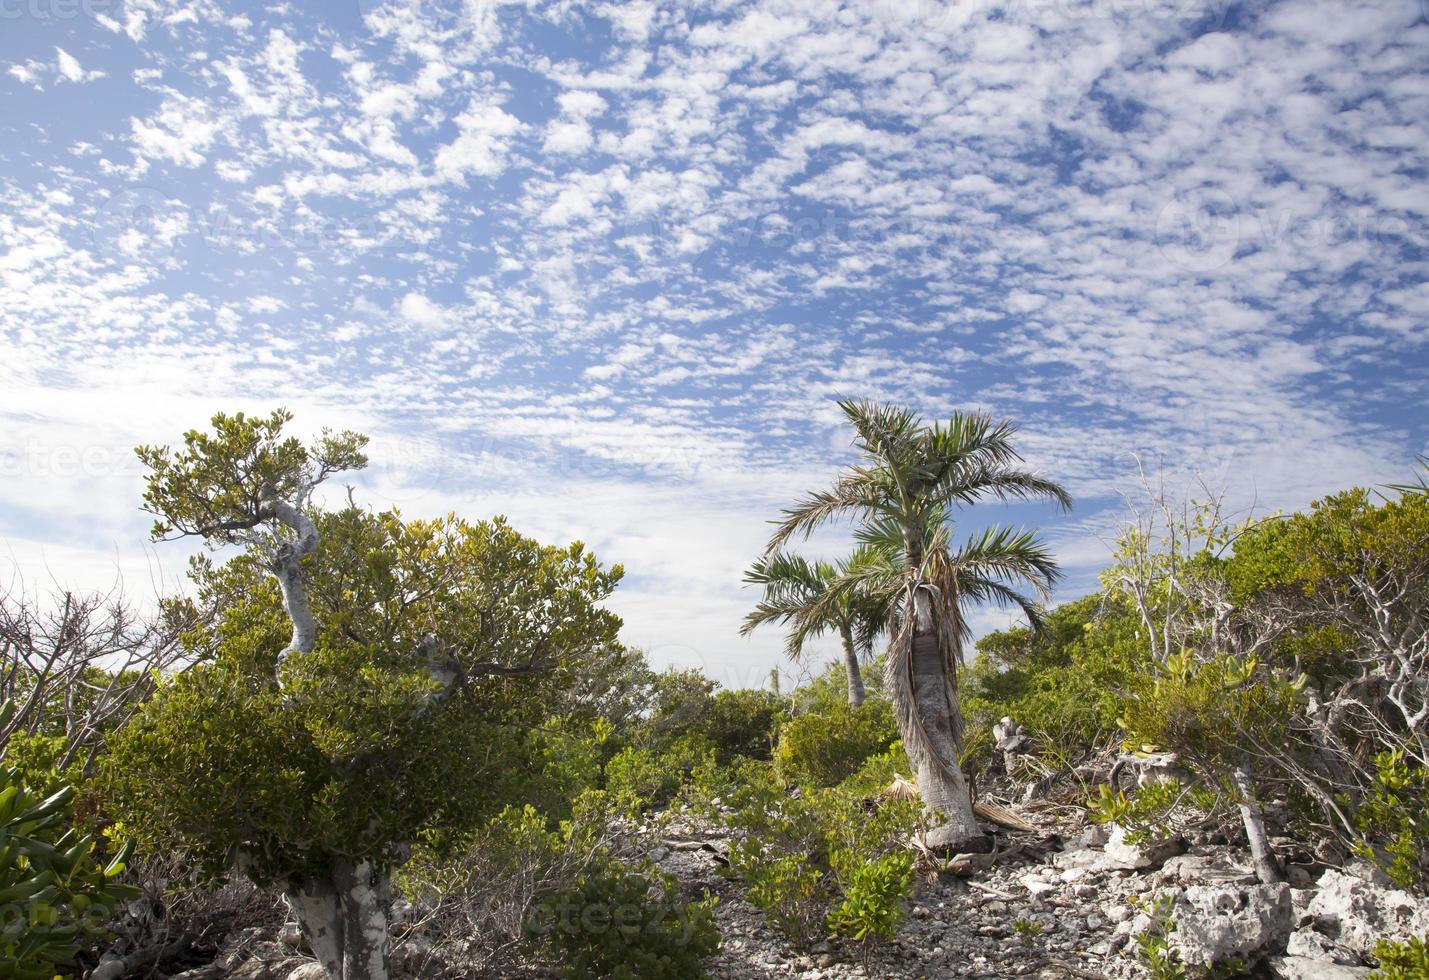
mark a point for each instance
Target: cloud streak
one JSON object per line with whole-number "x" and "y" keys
{"x": 605, "y": 268}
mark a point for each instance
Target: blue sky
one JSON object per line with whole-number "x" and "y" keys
{"x": 605, "y": 268}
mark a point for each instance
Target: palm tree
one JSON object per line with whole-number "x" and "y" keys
{"x": 903, "y": 494}
{"x": 1421, "y": 480}
{"x": 797, "y": 594}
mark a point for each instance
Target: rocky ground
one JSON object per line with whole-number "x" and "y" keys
{"x": 1062, "y": 900}
{"x": 1069, "y": 900}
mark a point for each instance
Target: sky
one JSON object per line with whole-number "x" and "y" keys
{"x": 606, "y": 268}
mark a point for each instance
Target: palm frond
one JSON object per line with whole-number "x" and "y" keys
{"x": 964, "y": 486}
{"x": 1421, "y": 481}
{"x": 855, "y": 494}
{"x": 988, "y": 590}
{"x": 784, "y": 570}
{"x": 884, "y": 431}
{"x": 1008, "y": 555}
{"x": 972, "y": 437}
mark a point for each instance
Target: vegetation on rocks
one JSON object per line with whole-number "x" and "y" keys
{"x": 422, "y": 742}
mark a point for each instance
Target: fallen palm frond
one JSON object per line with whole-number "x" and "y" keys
{"x": 1002, "y": 816}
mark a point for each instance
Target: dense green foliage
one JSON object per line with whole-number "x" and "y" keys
{"x": 349, "y": 756}
{"x": 1063, "y": 682}
{"x": 56, "y": 894}
{"x": 1402, "y": 961}
{"x": 825, "y": 747}
{"x": 825, "y": 861}
{"x": 1393, "y": 817}
{"x": 625, "y": 924}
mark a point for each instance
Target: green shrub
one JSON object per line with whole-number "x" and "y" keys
{"x": 54, "y": 893}
{"x": 825, "y": 747}
{"x": 1061, "y": 682}
{"x": 628, "y": 925}
{"x": 640, "y": 779}
{"x": 36, "y": 758}
{"x": 743, "y": 722}
{"x": 1402, "y": 961}
{"x": 1393, "y": 815}
{"x": 823, "y": 860}
{"x": 567, "y": 757}
{"x": 878, "y": 772}
{"x": 635, "y": 778}
{"x": 872, "y": 909}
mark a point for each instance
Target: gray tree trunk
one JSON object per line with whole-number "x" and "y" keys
{"x": 344, "y": 914}
{"x": 1267, "y": 868}
{"x": 934, "y": 749}
{"x": 855, "y": 677}
{"x": 344, "y": 917}
{"x": 287, "y": 567}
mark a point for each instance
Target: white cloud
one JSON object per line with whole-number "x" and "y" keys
{"x": 421, "y": 311}
{"x": 481, "y": 146}
{"x": 735, "y": 214}
{"x": 69, "y": 68}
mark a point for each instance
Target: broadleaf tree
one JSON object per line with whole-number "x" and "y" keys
{"x": 367, "y": 681}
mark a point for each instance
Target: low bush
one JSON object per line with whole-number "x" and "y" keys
{"x": 825, "y": 747}
{"x": 626, "y": 924}
{"x": 872, "y": 910}
{"x": 878, "y": 772}
{"x": 1402, "y": 961}
{"x": 824, "y": 861}
{"x": 55, "y": 893}
{"x": 573, "y": 889}
{"x": 743, "y": 722}
{"x": 1392, "y": 816}
{"x": 490, "y": 883}
{"x": 640, "y": 779}
{"x": 1062, "y": 682}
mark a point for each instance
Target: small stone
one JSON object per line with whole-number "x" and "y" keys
{"x": 1303, "y": 968}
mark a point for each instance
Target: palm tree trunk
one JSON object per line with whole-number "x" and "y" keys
{"x": 923, "y": 685}
{"x": 855, "y": 677}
